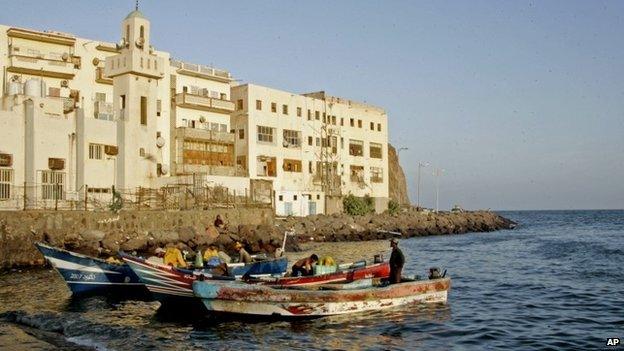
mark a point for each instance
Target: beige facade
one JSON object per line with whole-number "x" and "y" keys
{"x": 311, "y": 146}
{"x": 78, "y": 116}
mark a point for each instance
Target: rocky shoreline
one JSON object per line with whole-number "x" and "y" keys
{"x": 17, "y": 238}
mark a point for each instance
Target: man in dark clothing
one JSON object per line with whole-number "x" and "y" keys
{"x": 397, "y": 260}
{"x": 304, "y": 266}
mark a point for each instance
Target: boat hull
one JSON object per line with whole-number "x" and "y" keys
{"x": 88, "y": 275}
{"x": 378, "y": 270}
{"x": 240, "y": 299}
{"x": 173, "y": 285}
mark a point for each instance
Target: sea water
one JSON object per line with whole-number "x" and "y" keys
{"x": 555, "y": 282}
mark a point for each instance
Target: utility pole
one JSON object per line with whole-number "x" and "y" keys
{"x": 420, "y": 165}
{"x": 437, "y": 173}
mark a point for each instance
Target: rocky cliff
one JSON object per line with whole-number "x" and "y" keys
{"x": 396, "y": 178}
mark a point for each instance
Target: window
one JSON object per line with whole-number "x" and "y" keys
{"x": 273, "y": 107}
{"x": 324, "y": 118}
{"x": 100, "y": 97}
{"x": 266, "y": 166}
{"x": 333, "y": 120}
{"x": 292, "y": 166}
{"x": 317, "y": 115}
{"x": 357, "y": 174}
{"x": 375, "y": 150}
{"x": 341, "y": 121}
{"x": 241, "y": 134}
{"x": 310, "y": 167}
{"x": 285, "y": 109}
{"x": 122, "y": 101}
{"x": 95, "y": 151}
{"x": 372, "y": 126}
{"x": 318, "y": 141}
{"x": 376, "y": 175}
{"x": 222, "y": 96}
{"x": 342, "y": 143}
{"x": 158, "y": 107}
{"x": 356, "y": 147}
{"x": 310, "y": 140}
{"x": 143, "y": 110}
{"x": 352, "y": 122}
{"x": 295, "y": 197}
{"x": 359, "y": 123}
{"x": 142, "y": 152}
{"x": 281, "y": 197}
{"x": 379, "y": 127}
{"x": 6, "y": 181}
{"x": 298, "y": 111}
{"x": 259, "y": 105}
{"x": 52, "y": 185}
{"x": 265, "y": 134}
{"x": 292, "y": 138}
{"x": 239, "y": 104}
{"x": 309, "y": 115}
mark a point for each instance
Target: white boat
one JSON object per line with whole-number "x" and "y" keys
{"x": 245, "y": 299}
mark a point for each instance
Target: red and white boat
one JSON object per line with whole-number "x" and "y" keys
{"x": 349, "y": 273}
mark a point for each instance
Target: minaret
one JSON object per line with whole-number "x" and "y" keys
{"x": 135, "y": 71}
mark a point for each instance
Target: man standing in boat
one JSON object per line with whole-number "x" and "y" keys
{"x": 397, "y": 260}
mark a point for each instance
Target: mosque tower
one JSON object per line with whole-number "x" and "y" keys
{"x": 136, "y": 71}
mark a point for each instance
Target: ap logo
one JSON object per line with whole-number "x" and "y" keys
{"x": 613, "y": 341}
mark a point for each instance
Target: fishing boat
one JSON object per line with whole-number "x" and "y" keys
{"x": 90, "y": 275}
{"x": 344, "y": 274}
{"x": 168, "y": 283}
{"x": 260, "y": 300}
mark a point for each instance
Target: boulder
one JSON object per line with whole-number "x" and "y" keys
{"x": 187, "y": 233}
{"x": 162, "y": 237}
{"x": 92, "y": 235}
{"x": 138, "y": 243}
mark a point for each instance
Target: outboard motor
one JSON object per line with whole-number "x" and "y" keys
{"x": 434, "y": 273}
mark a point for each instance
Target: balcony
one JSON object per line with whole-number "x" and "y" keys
{"x": 186, "y": 133}
{"x": 100, "y": 77}
{"x": 41, "y": 66}
{"x": 47, "y": 37}
{"x": 201, "y": 71}
{"x": 204, "y": 103}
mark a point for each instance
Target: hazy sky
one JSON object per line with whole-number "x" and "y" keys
{"x": 521, "y": 102}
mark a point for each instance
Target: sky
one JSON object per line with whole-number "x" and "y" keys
{"x": 521, "y": 103}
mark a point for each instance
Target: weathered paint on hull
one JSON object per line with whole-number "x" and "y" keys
{"x": 265, "y": 301}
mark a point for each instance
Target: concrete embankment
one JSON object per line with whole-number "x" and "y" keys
{"x": 105, "y": 233}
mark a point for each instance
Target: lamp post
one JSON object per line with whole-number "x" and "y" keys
{"x": 437, "y": 173}
{"x": 420, "y": 165}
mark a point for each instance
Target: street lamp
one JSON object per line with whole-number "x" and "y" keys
{"x": 420, "y": 165}
{"x": 437, "y": 173}
{"x": 401, "y": 149}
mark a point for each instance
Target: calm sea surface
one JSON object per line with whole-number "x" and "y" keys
{"x": 556, "y": 282}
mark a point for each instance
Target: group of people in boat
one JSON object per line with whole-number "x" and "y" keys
{"x": 213, "y": 257}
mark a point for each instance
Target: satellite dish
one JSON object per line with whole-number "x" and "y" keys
{"x": 160, "y": 142}
{"x": 140, "y": 41}
{"x": 164, "y": 169}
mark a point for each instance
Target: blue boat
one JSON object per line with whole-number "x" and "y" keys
{"x": 90, "y": 275}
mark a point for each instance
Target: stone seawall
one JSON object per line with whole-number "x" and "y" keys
{"x": 106, "y": 232}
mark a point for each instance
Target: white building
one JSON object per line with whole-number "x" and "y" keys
{"x": 313, "y": 147}
{"x": 78, "y": 116}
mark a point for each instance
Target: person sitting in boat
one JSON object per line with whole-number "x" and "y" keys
{"x": 211, "y": 256}
{"x": 243, "y": 255}
{"x": 173, "y": 257}
{"x": 159, "y": 253}
{"x": 303, "y": 267}
{"x": 397, "y": 260}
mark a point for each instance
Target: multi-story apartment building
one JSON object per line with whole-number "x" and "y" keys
{"x": 314, "y": 147}
{"x": 82, "y": 115}
{"x": 78, "y": 116}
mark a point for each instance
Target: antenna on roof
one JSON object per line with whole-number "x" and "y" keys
{"x": 136, "y": 5}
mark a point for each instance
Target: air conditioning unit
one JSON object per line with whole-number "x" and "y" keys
{"x": 64, "y": 83}
{"x": 65, "y": 56}
{"x": 111, "y": 150}
{"x": 56, "y": 164}
{"x": 6, "y": 160}
{"x": 202, "y": 119}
